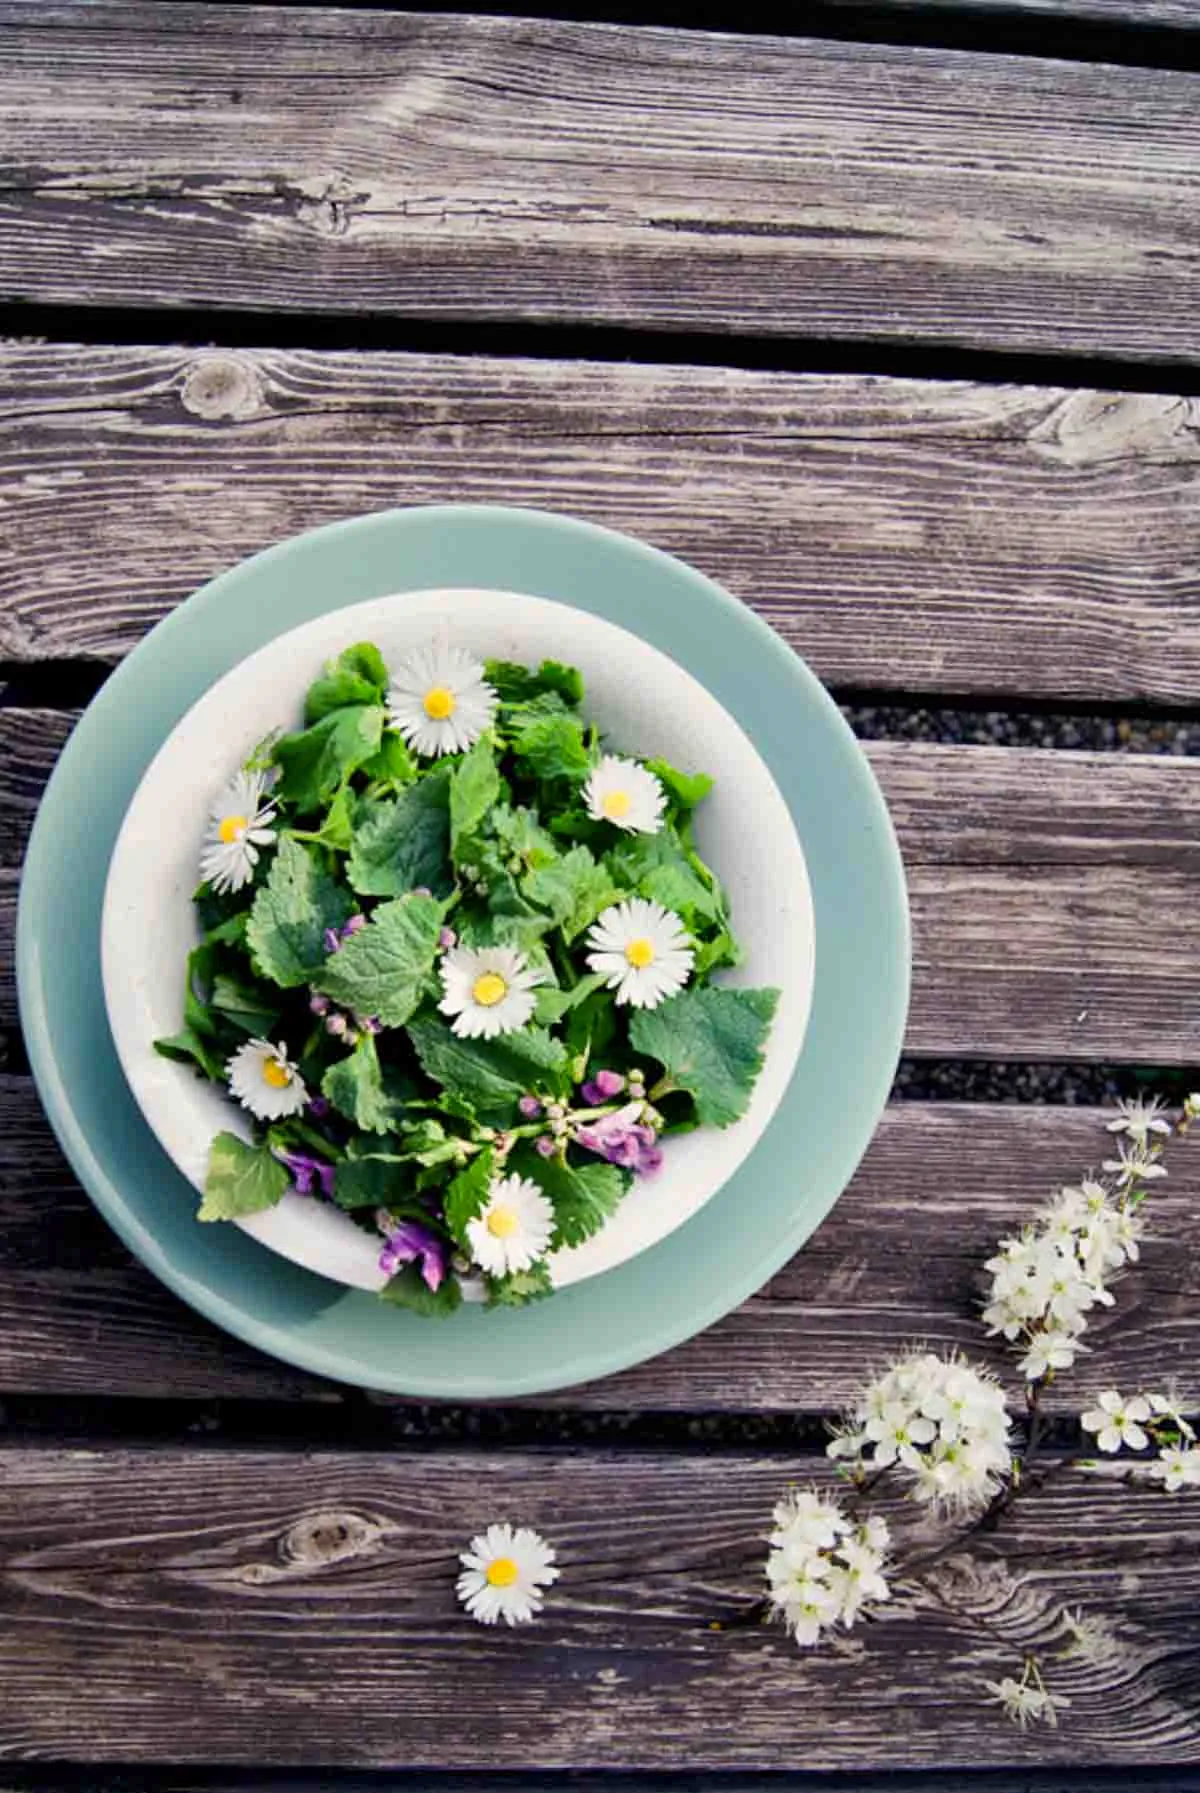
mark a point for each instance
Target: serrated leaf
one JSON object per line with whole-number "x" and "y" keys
{"x": 583, "y": 1198}
{"x": 403, "y": 843}
{"x": 241, "y": 1179}
{"x": 317, "y": 761}
{"x": 710, "y": 1043}
{"x": 374, "y": 1180}
{"x": 358, "y": 1088}
{"x": 720, "y": 951}
{"x": 408, "y": 1288}
{"x": 187, "y": 1047}
{"x": 519, "y": 1287}
{"x": 393, "y": 765}
{"x": 514, "y": 683}
{"x": 474, "y": 790}
{"x": 553, "y": 747}
{"x": 488, "y": 1074}
{"x": 357, "y": 676}
{"x": 687, "y": 789}
{"x": 382, "y": 970}
{"x": 467, "y": 1196}
{"x": 574, "y": 890}
{"x": 657, "y": 866}
{"x": 521, "y": 836}
{"x": 245, "y": 1005}
{"x": 286, "y": 929}
{"x": 552, "y": 1004}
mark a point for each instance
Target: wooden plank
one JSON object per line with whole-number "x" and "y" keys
{"x": 1049, "y": 895}
{"x": 491, "y": 168}
{"x": 1020, "y": 542}
{"x": 1183, "y": 15}
{"x": 215, "y": 1606}
{"x": 899, "y": 1258}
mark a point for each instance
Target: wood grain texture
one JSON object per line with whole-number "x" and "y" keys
{"x": 1050, "y": 894}
{"x": 899, "y": 1258}
{"x": 491, "y": 168}
{"x": 301, "y": 1610}
{"x": 1180, "y": 14}
{"x": 1021, "y": 542}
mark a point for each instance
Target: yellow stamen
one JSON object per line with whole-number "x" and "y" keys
{"x": 502, "y": 1223}
{"x": 640, "y": 953}
{"x": 502, "y": 1573}
{"x": 275, "y": 1073}
{"x": 232, "y": 828}
{"x": 440, "y": 703}
{"x": 616, "y": 805}
{"x": 489, "y": 989}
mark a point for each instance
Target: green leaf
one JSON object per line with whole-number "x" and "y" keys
{"x": 519, "y": 1287}
{"x": 513, "y": 683}
{"x": 408, "y": 1288}
{"x": 474, "y": 790}
{"x": 241, "y": 1179}
{"x": 187, "y": 1047}
{"x": 376, "y": 1180}
{"x": 657, "y": 866}
{"x": 357, "y": 1087}
{"x": 467, "y": 1196}
{"x": 488, "y": 1074}
{"x": 229, "y": 933}
{"x": 582, "y": 1199}
{"x": 574, "y": 889}
{"x": 723, "y": 949}
{"x": 428, "y": 1143}
{"x": 710, "y": 1043}
{"x": 357, "y": 676}
{"x": 245, "y": 1005}
{"x": 318, "y": 761}
{"x": 553, "y": 1004}
{"x": 521, "y": 836}
{"x": 393, "y": 765}
{"x": 197, "y": 990}
{"x": 592, "y": 1025}
{"x": 687, "y": 789}
{"x": 553, "y": 747}
{"x": 382, "y": 970}
{"x": 286, "y": 930}
{"x": 403, "y": 843}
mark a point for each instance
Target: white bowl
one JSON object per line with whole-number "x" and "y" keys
{"x": 642, "y": 701}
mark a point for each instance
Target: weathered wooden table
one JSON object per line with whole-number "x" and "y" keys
{"x": 891, "y": 328}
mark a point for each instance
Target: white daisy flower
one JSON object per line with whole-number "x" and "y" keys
{"x": 239, "y": 824}
{"x": 488, "y": 990}
{"x": 504, "y": 1573}
{"x": 515, "y": 1228}
{"x": 625, "y": 794}
{"x": 642, "y": 951}
{"x": 439, "y": 700}
{"x": 265, "y": 1081}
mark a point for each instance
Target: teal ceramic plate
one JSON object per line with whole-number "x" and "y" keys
{"x": 743, "y": 1235}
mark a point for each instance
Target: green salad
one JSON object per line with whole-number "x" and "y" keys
{"x": 455, "y": 961}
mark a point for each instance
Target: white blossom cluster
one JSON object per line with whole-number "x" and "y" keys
{"x": 943, "y": 1425}
{"x": 1047, "y": 1280}
{"x": 823, "y": 1568}
{"x": 1145, "y": 1420}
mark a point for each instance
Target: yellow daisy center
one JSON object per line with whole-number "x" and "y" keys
{"x": 489, "y": 989}
{"x": 440, "y": 702}
{"x": 275, "y": 1073}
{"x": 640, "y": 953}
{"x": 502, "y": 1222}
{"x": 502, "y": 1573}
{"x": 232, "y": 828}
{"x": 616, "y": 805}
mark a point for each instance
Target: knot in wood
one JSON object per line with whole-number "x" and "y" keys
{"x": 330, "y": 1537}
{"x": 218, "y": 387}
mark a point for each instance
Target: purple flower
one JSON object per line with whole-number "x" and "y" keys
{"x": 622, "y": 1140}
{"x": 318, "y": 1107}
{"x": 353, "y": 926}
{"x": 530, "y": 1107}
{"x": 421, "y": 890}
{"x": 411, "y": 1243}
{"x": 602, "y": 1088}
{"x": 546, "y": 1146}
{"x": 318, "y": 1005}
{"x": 335, "y": 1024}
{"x": 337, "y": 937}
{"x": 447, "y": 938}
{"x": 332, "y": 940}
{"x": 307, "y": 1172}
